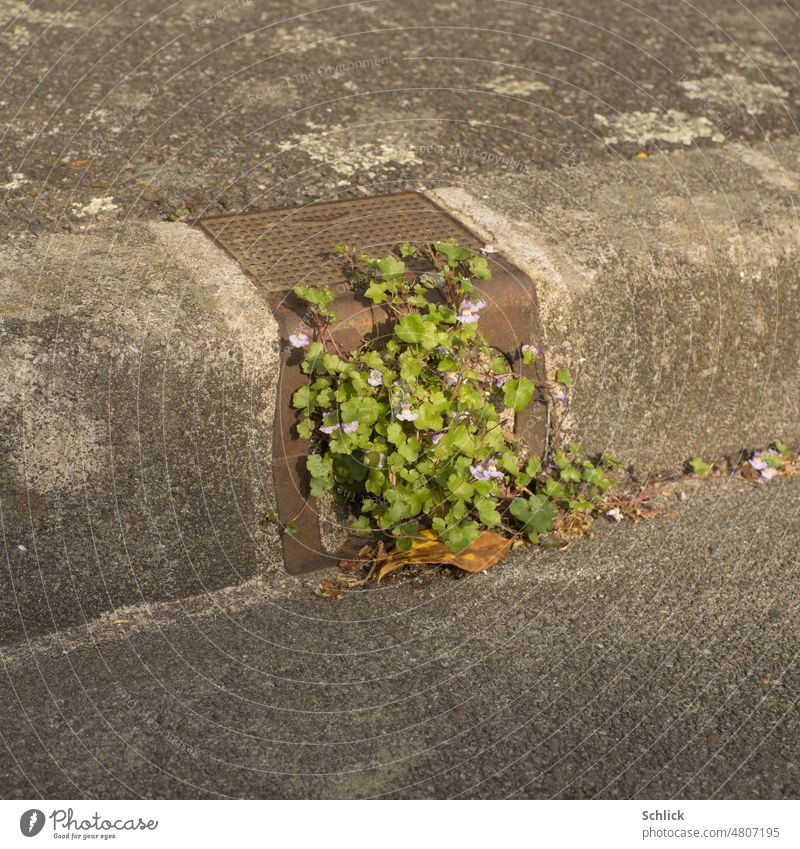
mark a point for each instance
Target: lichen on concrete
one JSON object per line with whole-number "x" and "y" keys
{"x": 671, "y": 126}
{"x": 736, "y": 92}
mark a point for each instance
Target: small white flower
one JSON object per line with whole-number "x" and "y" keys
{"x": 406, "y": 414}
{"x": 300, "y": 338}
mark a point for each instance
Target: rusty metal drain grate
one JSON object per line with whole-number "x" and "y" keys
{"x": 280, "y": 248}
{"x": 283, "y": 247}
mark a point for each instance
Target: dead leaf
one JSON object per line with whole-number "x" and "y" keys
{"x": 327, "y": 589}
{"x": 489, "y": 548}
{"x": 122, "y": 622}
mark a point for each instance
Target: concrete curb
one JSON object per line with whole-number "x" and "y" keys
{"x": 669, "y": 287}
{"x": 141, "y": 365}
{"x": 138, "y": 387}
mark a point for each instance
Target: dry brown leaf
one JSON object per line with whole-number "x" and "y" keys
{"x": 489, "y": 548}
{"x": 327, "y": 589}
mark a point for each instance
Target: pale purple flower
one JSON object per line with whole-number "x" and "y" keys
{"x": 375, "y": 378}
{"x": 560, "y": 395}
{"x": 469, "y": 312}
{"x": 329, "y": 429}
{"x": 488, "y": 248}
{"x": 381, "y": 459}
{"x": 406, "y": 414}
{"x": 437, "y": 437}
{"x": 533, "y": 348}
{"x": 768, "y": 473}
{"x": 451, "y": 378}
{"x": 300, "y": 338}
{"x": 615, "y": 513}
{"x": 350, "y": 427}
{"x": 501, "y": 381}
{"x": 485, "y": 470}
{"x": 757, "y": 463}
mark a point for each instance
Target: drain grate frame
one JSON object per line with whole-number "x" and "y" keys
{"x": 280, "y": 248}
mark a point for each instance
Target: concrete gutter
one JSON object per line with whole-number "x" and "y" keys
{"x": 669, "y": 286}
{"x": 140, "y": 366}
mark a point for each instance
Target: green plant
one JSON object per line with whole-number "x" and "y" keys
{"x": 416, "y": 431}
{"x": 700, "y": 467}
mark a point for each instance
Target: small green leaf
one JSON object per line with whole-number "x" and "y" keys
{"x": 595, "y": 476}
{"x": 317, "y": 296}
{"x": 414, "y": 329}
{"x": 410, "y": 449}
{"x": 376, "y": 292}
{"x": 394, "y": 433}
{"x": 461, "y": 536}
{"x": 301, "y": 399}
{"x": 536, "y": 514}
{"x": 564, "y": 377}
{"x": 362, "y": 525}
{"x": 391, "y": 266}
{"x": 487, "y": 512}
{"x": 459, "y": 487}
{"x": 479, "y": 267}
{"x": 570, "y": 474}
{"x": 518, "y": 393}
{"x": 499, "y": 365}
{"x": 305, "y": 428}
{"x": 453, "y": 253}
{"x": 700, "y": 467}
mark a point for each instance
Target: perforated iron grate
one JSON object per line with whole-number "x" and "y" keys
{"x": 280, "y": 248}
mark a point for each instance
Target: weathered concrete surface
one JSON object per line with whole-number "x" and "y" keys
{"x": 670, "y": 287}
{"x": 169, "y": 107}
{"x": 138, "y": 381}
{"x": 655, "y": 661}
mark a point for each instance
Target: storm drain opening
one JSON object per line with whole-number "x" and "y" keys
{"x": 281, "y": 248}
